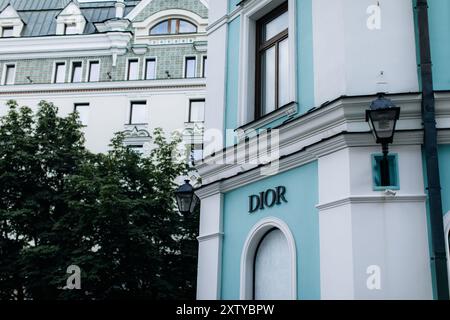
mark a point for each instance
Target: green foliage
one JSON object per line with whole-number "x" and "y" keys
{"x": 113, "y": 214}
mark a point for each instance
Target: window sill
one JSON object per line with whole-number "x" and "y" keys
{"x": 286, "y": 110}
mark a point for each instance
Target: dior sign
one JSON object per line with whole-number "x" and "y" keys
{"x": 267, "y": 199}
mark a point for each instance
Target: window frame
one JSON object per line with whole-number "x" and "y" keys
{"x": 204, "y": 63}
{"x": 127, "y": 73}
{"x": 82, "y": 104}
{"x": 263, "y": 46}
{"x": 185, "y": 69}
{"x": 2, "y": 34}
{"x": 155, "y": 59}
{"x": 75, "y": 26}
{"x": 169, "y": 28}
{"x": 72, "y": 69}
{"x": 245, "y": 117}
{"x": 88, "y": 71}
{"x": 190, "y": 109}
{"x": 130, "y": 117}
{"x": 55, "y": 70}
{"x": 6, "y": 67}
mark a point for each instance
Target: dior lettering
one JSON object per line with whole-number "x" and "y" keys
{"x": 267, "y": 199}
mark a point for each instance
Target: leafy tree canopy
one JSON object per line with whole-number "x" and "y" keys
{"x": 113, "y": 214}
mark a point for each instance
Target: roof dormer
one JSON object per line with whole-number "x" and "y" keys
{"x": 11, "y": 24}
{"x": 70, "y": 20}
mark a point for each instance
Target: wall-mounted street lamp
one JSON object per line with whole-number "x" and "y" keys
{"x": 187, "y": 200}
{"x": 382, "y": 118}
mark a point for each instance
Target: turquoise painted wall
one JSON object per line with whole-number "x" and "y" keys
{"x": 232, "y": 81}
{"x": 232, "y": 4}
{"x": 300, "y": 214}
{"x": 439, "y": 14}
{"x": 304, "y": 65}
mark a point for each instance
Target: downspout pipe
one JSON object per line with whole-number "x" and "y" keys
{"x": 438, "y": 254}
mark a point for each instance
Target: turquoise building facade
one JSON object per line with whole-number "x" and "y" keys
{"x": 340, "y": 234}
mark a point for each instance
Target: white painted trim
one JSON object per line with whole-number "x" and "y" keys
{"x": 190, "y": 97}
{"x": 184, "y": 65}
{"x": 249, "y": 250}
{"x": 109, "y": 87}
{"x": 137, "y": 9}
{"x": 247, "y": 64}
{"x": 144, "y": 67}
{"x": 88, "y": 45}
{"x": 128, "y": 65}
{"x": 71, "y": 70}
{"x": 5, "y": 65}
{"x": 371, "y": 199}
{"x": 88, "y": 69}
{"x": 53, "y": 80}
{"x": 447, "y": 244}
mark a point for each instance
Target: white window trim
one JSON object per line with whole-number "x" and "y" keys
{"x": 188, "y": 104}
{"x": 202, "y": 64}
{"x": 71, "y": 69}
{"x": 88, "y": 69}
{"x": 447, "y": 244}
{"x": 144, "y": 67}
{"x": 128, "y": 65}
{"x": 247, "y": 63}
{"x": 184, "y": 65}
{"x": 128, "y": 119}
{"x": 5, "y": 65}
{"x": 88, "y": 104}
{"x": 54, "y": 71}
{"x": 248, "y": 254}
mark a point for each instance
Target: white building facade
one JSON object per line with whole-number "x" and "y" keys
{"x": 126, "y": 66}
{"x": 312, "y": 220}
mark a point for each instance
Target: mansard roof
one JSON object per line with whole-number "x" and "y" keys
{"x": 39, "y": 16}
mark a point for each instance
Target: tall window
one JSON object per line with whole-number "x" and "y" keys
{"x": 70, "y": 28}
{"x": 272, "y": 61}
{"x": 7, "y": 32}
{"x": 196, "y": 153}
{"x": 272, "y": 268}
{"x": 133, "y": 69}
{"x": 83, "y": 112}
{"x": 77, "y": 68}
{"x": 60, "y": 72}
{"x": 138, "y": 112}
{"x": 10, "y": 73}
{"x": 205, "y": 64}
{"x": 196, "y": 110}
{"x": 94, "y": 71}
{"x": 190, "y": 66}
{"x": 173, "y": 26}
{"x": 150, "y": 69}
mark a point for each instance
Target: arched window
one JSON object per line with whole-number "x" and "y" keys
{"x": 173, "y": 26}
{"x": 272, "y": 268}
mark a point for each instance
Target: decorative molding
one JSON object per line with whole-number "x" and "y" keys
{"x": 210, "y": 236}
{"x": 286, "y": 110}
{"x": 330, "y": 128}
{"x": 371, "y": 199}
{"x": 102, "y": 44}
{"x": 116, "y": 86}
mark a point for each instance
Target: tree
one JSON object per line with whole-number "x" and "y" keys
{"x": 113, "y": 214}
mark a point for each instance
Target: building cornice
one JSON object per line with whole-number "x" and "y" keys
{"x": 341, "y": 124}
{"x": 371, "y": 199}
{"x": 102, "y": 44}
{"x": 116, "y": 86}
